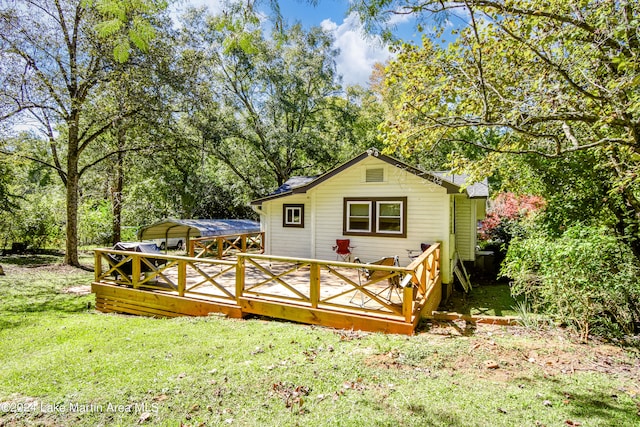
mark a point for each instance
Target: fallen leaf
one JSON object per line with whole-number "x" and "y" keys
{"x": 144, "y": 417}
{"x": 491, "y": 364}
{"x": 572, "y": 423}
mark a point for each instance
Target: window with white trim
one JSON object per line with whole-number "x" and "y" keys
{"x": 389, "y": 216}
{"x": 376, "y": 216}
{"x": 293, "y": 215}
{"x": 359, "y": 216}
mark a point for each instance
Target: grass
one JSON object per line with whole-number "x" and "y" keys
{"x": 62, "y": 363}
{"x": 485, "y": 299}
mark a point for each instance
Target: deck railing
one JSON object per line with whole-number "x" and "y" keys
{"x": 184, "y": 275}
{"x": 386, "y": 290}
{"x": 222, "y": 246}
{"x": 389, "y": 291}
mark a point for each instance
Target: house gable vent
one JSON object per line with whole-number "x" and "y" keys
{"x": 375, "y": 175}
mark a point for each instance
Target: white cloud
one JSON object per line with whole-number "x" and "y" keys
{"x": 358, "y": 51}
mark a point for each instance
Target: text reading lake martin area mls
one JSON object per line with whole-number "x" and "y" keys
{"x": 35, "y": 406}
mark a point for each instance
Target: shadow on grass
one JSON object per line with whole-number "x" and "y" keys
{"x": 597, "y": 406}
{"x": 492, "y": 299}
{"x": 38, "y": 260}
{"x": 59, "y": 303}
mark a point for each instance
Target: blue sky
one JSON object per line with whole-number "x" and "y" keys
{"x": 358, "y": 52}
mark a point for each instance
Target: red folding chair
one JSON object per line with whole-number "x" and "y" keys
{"x": 343, "y": 249}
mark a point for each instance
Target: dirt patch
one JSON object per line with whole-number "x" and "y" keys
{"x": 78, "y": 290}
{"x": 507, "y": 353}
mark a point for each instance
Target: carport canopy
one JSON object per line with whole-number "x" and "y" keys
{"x": 190, "y": 228}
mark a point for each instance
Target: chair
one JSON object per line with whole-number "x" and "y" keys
{"x": 343, "y": 249}
{"x": 393, "y": 283}
{"x": 415, "y": 253}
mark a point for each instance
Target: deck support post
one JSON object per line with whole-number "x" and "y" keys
{"x": 220, "y": 247}
{"x": 97, "y": 269}
{"x": 135, "y": 271}
{"x": 182, "y": 277}
{"x": 314, "y": 284}
{"x": 240, "y": 270}
{"x": 407, "y": 302}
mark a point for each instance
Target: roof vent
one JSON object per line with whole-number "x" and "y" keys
{"x": 375, "y": 175}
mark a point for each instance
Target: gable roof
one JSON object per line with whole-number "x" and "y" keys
{"x": 453, "y": 183}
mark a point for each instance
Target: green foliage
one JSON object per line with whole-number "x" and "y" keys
{"x": 584, "y": 278}
{"x": 266, "y": 105}
{"x": 94, "y": 222}
{"x": 37, "y": 220}
{"x": 505, "y": 76}
{"x": 7, "y": 202}
{"x": 125, "y": 22}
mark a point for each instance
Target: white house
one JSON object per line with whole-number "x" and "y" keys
{"x": 383, "y": 206}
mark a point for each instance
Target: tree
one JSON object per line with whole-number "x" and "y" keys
{"x": 550, "y": 78}
{"x": 55, "y": 69}
{"x": 266, "y": 106}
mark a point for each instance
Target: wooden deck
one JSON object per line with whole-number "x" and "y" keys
{"x": 335, "y": 294}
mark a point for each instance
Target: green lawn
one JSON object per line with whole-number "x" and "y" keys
{"x": 63, "y": 363}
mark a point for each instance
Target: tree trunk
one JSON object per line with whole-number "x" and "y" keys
{"x": 116, "y": 191}
{"x": 73, "y": 190}
{"x": 71, "y": 254}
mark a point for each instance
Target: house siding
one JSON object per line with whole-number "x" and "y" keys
{"x": 287, "y": 241}
{"x": 428, "y": 206}
{"x": 427, "y": 213}
{"x": 465, "y": 227}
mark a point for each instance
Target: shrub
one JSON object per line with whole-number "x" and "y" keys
{"x": 38, "y": 221}
{"x": 586, "y": 279}
{"x": 503, "y": 221}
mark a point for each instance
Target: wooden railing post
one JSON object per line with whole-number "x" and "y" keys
{"x": 182, "y": 277}
{"x": 243, "y": 244}
{"x": 220, "y": 247}
{"x": 135, "y": 270}
{"x": 407, "y": 302}
{"x": 192, "y": 248}
{"x": 97, "y": 262}
{"x": 240, "y": 270}
{"x": 314, "y": 284}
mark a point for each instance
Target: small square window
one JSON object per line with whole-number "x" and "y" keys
{"x": 293, "y": 216}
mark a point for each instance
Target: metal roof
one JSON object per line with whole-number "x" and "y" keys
{"x": 197, "y": 228}
{"x": 474, "y": 190}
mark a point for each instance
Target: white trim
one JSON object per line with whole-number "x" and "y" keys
{"x": 349, "y": 216}
{"x": 400, "y": 218}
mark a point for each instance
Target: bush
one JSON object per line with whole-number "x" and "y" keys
{"x": 36, "y": 222}
{"x": 504, "y": 219}
{"x": 586, "y": 279}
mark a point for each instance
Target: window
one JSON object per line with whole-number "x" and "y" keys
{"x": 359, "y": 216}
{"x": 389, "y": 217}
{"x": 380, "y": 216}
{"x": 293, "y": 216}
